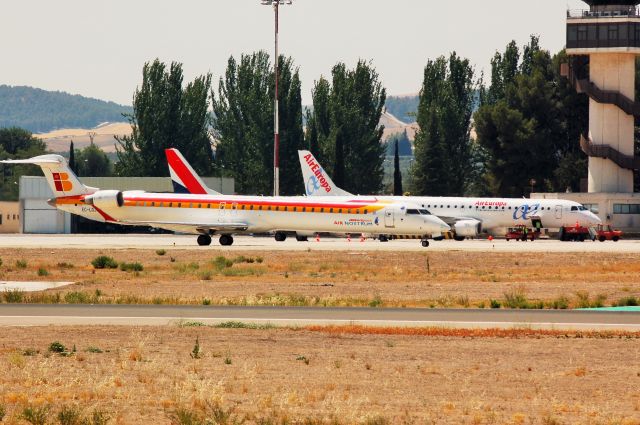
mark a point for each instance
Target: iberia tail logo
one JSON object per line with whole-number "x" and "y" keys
{"x": 62, "y": 183}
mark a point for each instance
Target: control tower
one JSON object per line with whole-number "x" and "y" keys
{"x": 603, "y": 42}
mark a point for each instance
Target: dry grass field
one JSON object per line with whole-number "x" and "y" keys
{"x": 270, "y": 376}
{"x": 381, "y": 279}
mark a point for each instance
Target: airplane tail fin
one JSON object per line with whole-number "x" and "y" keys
{"x": 62, "y": 180}
{"x": 183, "y": 176}
{"x": 316, "y": 181}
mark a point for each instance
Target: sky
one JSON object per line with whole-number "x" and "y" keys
{"x": 97, "y": 48}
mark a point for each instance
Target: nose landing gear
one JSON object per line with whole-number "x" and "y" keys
{"x": 424, "y": 242}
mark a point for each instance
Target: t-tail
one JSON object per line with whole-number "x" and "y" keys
{"x": 316, "y": 181}
{"x": 62, "y": 180}
{"x": 183, "y": 176}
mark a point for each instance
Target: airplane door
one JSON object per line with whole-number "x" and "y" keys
{"x": 222, "y": 212}
{"x": 558, "y": 211}
{"x": 389, "y": 218}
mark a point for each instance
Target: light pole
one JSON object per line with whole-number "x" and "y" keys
{"x": 276, "y": 124}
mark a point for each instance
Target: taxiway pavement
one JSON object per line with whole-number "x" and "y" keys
{"x": 41, "y": 315}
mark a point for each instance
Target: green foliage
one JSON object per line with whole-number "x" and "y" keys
{"x": 41, "y": 111}
{"x": 166, "y": 115}
{"x": 42, "y": 271}
{"x": 243, "y": 325}
{"x": 343, "y": 127}
{"x": 69, "y": 415}
{"x": 627, "y": 302}
{"x": 221, "y": 262}
{"x": 131, "y": 267}
{"x": 21, "y": 264}
{"x": 403, "y": 107}
{"x": 3, "y": 412}
{"x": 443, "y": 160}
{"x": 243, "y": 124}
{"x": 160, "y": 252}
{"x": 397, "y": 177}
{"x": 16, "y": 143}
{"x": 36, "y": 415}
{"x": 0, "y": 262}
{"x": 57, "y": 347}
{"x": 104, "y": 262}
{"x": 92, "y": 349}
{"x": 13, "y": 296}
{"x": 93, "y": 162}
{"x": 196, "y": 353}
{"x": 376, "y": 301}
{"x": 529, "y": 123}
{"x": 495, "y": 303}
{"x": 77, "y": 297}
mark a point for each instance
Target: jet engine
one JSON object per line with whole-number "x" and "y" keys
{"x": 105, "y": 199}
{"x": 467, "y": 228}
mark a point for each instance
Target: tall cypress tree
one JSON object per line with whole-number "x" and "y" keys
{"x": 72, "y": 158}
{"x": 397, "y": 176}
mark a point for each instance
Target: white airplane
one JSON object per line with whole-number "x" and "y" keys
{"x": 468, "y": 217}
{"x": 207, "y": 214}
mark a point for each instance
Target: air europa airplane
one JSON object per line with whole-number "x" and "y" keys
{"x": 207, "y": 214}
{"x": 468, "y": 217}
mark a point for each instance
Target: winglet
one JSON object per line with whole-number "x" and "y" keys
{"x": 315, "y": 179}
{"x": 183, "y": 176}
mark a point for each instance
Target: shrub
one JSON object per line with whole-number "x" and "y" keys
{"x": 104, "y": 262}
{"x": 69, "y": 415}
{"x": 206, "y": 301}
{"x": 42, "y": 271}
{"x": 376, "y": 301}
{"x": 516, "y": 299}
{"x": 64, "y": 265}
{"x": 30, "y": 352}
{"x": 495, "y": 303}
{"x": 131, "y": 267}
{"x": 227, "y": 360}
{"x": 220, "y": 262}
{"x": 14, "y": 296}
{"x": 160, "y": 252}
{"x": 21, "y": 264}
{"x": 560, "y": 303}
{"x": 35, "y": 415}
{"x": 92, "y": 349}
{"x": 76, "y": 297}
{"x": 98, "y": 417}
{"x": 57, "y": 347}
{"x": 3, "y": 412}
{"x": 0, "y": 265}
{"x": 196, "y": 353}
{"x": 626, "y": 302}
{"x": 205, "y": 275}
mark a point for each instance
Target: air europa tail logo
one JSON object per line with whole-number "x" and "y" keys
{"x": 320, "y": 181}
{"x": 61, "y": 181}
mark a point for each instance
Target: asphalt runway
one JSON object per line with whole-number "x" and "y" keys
{"x": 244, "y": 243}
{"x": 47, "y": 314}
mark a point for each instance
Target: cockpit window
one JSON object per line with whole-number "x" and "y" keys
{"x": 413, "y": 211}
{"x": 425, "y": 212}
{"x": 578, "y": 208}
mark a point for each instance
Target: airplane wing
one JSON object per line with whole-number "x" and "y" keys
{"x": 188, "y": 227}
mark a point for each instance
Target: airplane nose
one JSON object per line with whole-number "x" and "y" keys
{"x": 52, "y": 202}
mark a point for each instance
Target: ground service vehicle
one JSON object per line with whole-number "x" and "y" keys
{"x": 604, "y": 232}
{"x": 517, "y": 233}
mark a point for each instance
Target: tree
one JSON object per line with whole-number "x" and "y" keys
{"x": 93, "y": 162}
{"x": 17, "y": 143}
{"x": 243, "y": 124}
{"x": 397, "y": 177}
{"x": 442, "y": 143}
{"x": 343, "y": 127}
{"x": 165, "y": 115}
{"x": 529, "y": 124}
{"x": 72, "y": 159}
{"x": 404, "y": 144}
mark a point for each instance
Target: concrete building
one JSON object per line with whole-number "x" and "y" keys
{"x": 603, "y": 42}
{"x": 39, "y": 217}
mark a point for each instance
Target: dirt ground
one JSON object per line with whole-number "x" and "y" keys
{"x": 145, "y": 375}
{"x": 435, "y": 279}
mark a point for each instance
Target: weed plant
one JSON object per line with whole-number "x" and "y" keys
{"x": 104, "y": 262}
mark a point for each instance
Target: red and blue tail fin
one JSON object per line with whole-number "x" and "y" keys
{"x": 183, "y": 176}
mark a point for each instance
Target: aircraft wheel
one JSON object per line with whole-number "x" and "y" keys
{"x": 383, "y": 238}
{"x": 204, "y": 240}
{"x": 281, "y": 236}
{"x": 301, "y": 238}
{"x": 226, "y": 240}
{"x": 459, "y": 238}
{"x": 425, "y": 243}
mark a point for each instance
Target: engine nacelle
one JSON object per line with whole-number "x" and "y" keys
{"x": 467, "y": 228}
{"x": 105, "y": 199}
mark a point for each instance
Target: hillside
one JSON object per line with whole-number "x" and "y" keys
{"x": 403, "y": 108}
{"x": 41, "y": 111}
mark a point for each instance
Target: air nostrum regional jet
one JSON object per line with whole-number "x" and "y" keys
{"x": 468, "y": 217}
{"x": 206, "y": 214}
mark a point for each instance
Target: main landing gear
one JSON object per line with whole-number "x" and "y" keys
{"x": 281, "y": 236}
{"x": 424, "y": 242}
{"x": 204, "y": 240}
{"x": 226, "y": 240}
